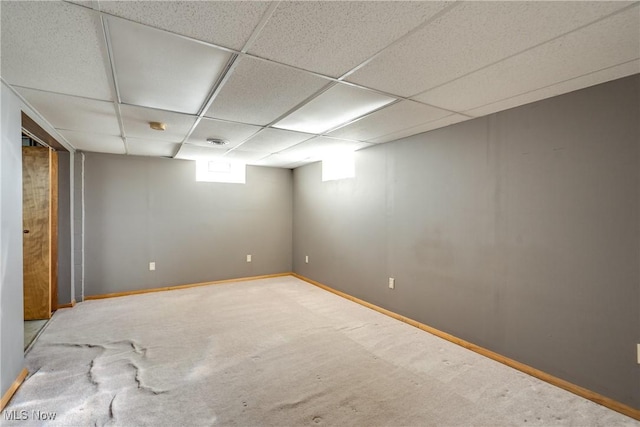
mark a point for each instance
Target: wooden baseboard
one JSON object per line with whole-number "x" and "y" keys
{"x": 192, "y": 285}
{"x": 68, "y": 305}
{"x": 558, "y": 382}
{"x": 14, "y": 387}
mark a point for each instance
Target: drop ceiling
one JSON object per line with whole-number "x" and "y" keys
{"x": 288, "y": 83}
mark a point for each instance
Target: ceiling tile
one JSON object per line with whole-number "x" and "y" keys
{"x": 93, "y": 4}
{"x": 146, "y": 147}
{"x": 234, "y": 133}
{"x": 274, "y": 160}
{"x": 280, "y": 161}
{"x": 224, "y": 23}
{"x": 319, "y": 148}
{"x": 249, "y": 157}
{"x": 425, "y": 127}
{"x": 609, "y": 42}
{"x": 136, "y": 123}
{"x": 297, "y": 164}
{"x": 404, "y": 114}
{"x": 274, "y": 140}
{"x": 338, "y": 105}
{"x": 581, "y": 82}
{"x": 195, "y": 152}
{"x": 54, "y": 46}
{"x": 94, "y": 142}
{"x": 259, "y": 92}
{"x": 74, "y": 113}
{"x": 332, "y": 37}
{"x": 162, "y": 70}
{"x": 473, "y": 35}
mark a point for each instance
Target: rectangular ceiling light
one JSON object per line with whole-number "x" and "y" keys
{"x": 338, "y": 105}
{"x": 162, "y": 70}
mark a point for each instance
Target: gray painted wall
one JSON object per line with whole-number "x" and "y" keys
{"x": 140, "y": 209}
{"x": 64, "y": 229}
{"x": 11, "y": 313}
{"x": 518, "y": 231}
{"x": 78, "y": 215}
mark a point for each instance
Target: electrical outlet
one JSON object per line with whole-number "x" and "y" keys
{"x": 392, "y": 283}
{"x": 248, "y": 258}
{"x": 152, "y": 266}
{"x": 306, "y": 259}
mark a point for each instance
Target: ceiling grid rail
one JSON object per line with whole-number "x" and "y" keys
{"x": 347, "y": 75}
{"x": 113, "y": 80}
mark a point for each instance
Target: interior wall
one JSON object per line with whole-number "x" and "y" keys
{"x": 141, "y": 209}
{"x": 11, "y": 298}
{"x": 518, "y": 232}
{"x": 64, "y": 228}
{"x": 78, "y": 226}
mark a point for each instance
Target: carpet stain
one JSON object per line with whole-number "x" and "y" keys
{"x": 138, "y": 349}
{"x": 111, "y": 416}
{"x": 142, "y": 386}
{"x": 90, "y": 376}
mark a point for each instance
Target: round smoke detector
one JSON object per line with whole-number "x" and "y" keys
{"x": 217, "y": 141}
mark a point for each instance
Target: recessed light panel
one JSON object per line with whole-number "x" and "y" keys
{"x": 338, "y": 105}
{"x": 161, "y": 70}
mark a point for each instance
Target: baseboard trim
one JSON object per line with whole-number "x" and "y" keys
{"x": 558, "y": 382}
{"x": 14, "y": 387}
{"x": 68, "y": 305}
{"x": 191, "y": 285}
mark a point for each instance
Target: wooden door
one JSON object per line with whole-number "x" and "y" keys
{"x": 40, "y": 225}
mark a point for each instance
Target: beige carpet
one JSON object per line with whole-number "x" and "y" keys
{"x": 272, "y": 352}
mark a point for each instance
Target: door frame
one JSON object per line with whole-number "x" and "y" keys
{"x": 41, "y": 136}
